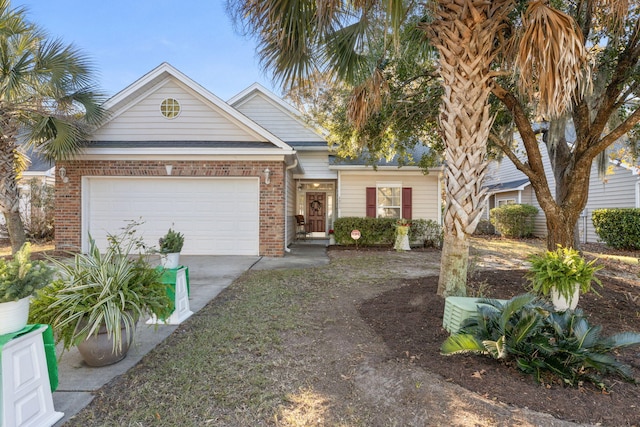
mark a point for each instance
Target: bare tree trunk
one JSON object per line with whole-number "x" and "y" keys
{"x": 15, "y": 228}
{"x": 9, "y": 191}
{"x": 464, "y": 32}
{"x": 572, "y": 189}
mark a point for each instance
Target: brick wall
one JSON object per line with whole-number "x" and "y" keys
{"x": 68, "y": 195}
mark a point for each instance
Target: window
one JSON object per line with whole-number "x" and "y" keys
{"x": 506, "y": 202}
{"x": 389, "y": 202}
{"x": 170, "y": 108}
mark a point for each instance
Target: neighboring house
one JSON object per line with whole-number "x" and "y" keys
{"x": 620, "y": 189}
{"x": 229, "y": 175}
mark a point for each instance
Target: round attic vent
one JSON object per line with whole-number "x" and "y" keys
{"x": 170, "y": 108}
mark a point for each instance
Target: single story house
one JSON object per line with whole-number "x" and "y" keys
{"x": 619, "y": 189}
{"x": 231, "y": 175}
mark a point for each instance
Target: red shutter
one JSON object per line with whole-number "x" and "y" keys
{"x": 371, "y": 202}
{"x": 406, "y": 203}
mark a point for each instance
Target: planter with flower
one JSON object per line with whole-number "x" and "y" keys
{"x": 562, "y": 274}
{"x": 20, "y": 277}
{"x": 170, "y": 247}
{"x": 332, "y": 237}
{"x": 402, "y": 235}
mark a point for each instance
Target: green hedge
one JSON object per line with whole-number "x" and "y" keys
{"x": 618, "y": 228}
{"x": 514, "y": 220}
{"x": 382, "y": 231}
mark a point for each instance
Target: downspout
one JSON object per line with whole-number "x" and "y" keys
{"x": 286, "y": 205}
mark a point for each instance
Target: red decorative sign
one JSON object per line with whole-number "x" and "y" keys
{"x": 355, "y": 234}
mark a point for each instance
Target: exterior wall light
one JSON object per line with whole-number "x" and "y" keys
{"x": 267, "y": 176}
{"x": 62, "y": 173}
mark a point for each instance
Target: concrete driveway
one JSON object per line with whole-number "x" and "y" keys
{"x": 208, "y": 276}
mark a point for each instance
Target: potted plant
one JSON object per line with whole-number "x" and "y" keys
{"x": 98, "y": 298}
{"x": 332, "y": 237}
{"x": 170, "y": 247}
{"x": 20, "y": 277}
{"x": 562, "y": 274}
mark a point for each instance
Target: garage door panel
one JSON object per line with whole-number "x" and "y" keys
{"x": 217, "y": 215}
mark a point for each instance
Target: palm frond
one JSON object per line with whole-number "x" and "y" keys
{"x": 552, "y": 59}
{"x": 622, "y": 340}
{"x": 614, "y": 13}
{"x": 462, "y": 343}
{"x": 367, "y": 99}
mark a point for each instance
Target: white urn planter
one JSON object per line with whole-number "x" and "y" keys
{"x": 560, "y": 303}
{"x": 14, "y": 315}
{"x": 171, "y": 260}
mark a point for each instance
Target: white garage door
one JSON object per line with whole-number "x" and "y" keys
{"x": 218, "y": 216}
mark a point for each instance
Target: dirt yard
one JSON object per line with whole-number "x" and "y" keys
{"x": 405, "y": 316}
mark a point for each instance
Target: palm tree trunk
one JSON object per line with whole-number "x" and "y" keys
{"x": 9, "y": 191}
{"x": 464, "y": 35}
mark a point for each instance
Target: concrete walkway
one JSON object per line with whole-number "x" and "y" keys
{"x": 208, "y": 276}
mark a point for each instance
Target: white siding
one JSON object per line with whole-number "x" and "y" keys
{"x": 504, "y": 171}
{"x": 315, "y": 165}
{"x": 277, "y": 121}
{"x": 198, "y": 120}
{"x": 353, "y": 185}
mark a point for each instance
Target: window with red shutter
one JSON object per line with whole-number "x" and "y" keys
{"x": 371, "y": 202}
{"x": 406, "y": 202}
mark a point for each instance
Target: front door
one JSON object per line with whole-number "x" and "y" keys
{"x": 316, "y": 212}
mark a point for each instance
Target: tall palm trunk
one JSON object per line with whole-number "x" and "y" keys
{"x": 9, "y": 191}
{"x": 465, "y": 31}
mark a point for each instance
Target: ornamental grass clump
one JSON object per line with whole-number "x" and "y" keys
{"x": 549, "y": 345}
{"x": 102, "y": 290}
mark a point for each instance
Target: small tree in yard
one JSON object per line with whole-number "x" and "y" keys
{"x": 37, "y": 213}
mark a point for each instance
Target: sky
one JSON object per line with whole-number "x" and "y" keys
{"x": 127, "y": 39}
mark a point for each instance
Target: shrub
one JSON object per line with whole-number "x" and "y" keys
{"x": 618, "y": 228}
{"x": 382, "y": 231}
{"x": 514, "y": 220}
{"x": 541, "y": 341}
{"x": 427, "y": 233}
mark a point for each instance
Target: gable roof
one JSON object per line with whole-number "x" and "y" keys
{"x": 128, "y": 97}
{"x": 251, "y": 91}
{"x": 277, "y": 115}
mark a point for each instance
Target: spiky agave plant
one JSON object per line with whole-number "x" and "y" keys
{"x": 541, "y": 341}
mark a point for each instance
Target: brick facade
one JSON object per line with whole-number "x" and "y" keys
{"x": 68, "y": 195}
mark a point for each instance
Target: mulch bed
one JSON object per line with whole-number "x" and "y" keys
{"x": 409, "y": 319}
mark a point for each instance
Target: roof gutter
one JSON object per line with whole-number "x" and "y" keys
{"x": 286, "y": 205}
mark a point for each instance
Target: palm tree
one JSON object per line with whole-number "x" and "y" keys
{"x": 352, "y": 41}
{"x": 47, "y": 102}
